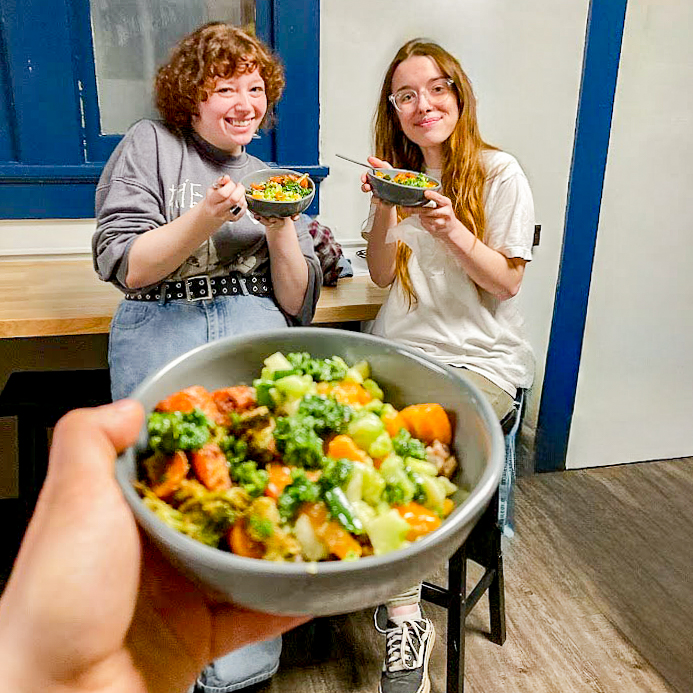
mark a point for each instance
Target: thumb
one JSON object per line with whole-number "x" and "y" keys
{"x": 99, "y": 433}
{"x": 378, "y": 163}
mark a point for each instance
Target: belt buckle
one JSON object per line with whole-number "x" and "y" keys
{"x": 207, "y": 286}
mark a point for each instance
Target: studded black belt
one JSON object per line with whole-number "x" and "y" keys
{"x": 202, "y": 287}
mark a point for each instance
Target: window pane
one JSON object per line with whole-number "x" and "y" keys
{"x": 132, "y": 38}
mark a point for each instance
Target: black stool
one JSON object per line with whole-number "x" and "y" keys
{"x": 483, "y": 546}
{"x": 38, "y": 399}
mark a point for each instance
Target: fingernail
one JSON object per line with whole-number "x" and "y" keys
{"x": 235, "y": 210}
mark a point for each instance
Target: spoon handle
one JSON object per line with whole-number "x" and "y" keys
{"x": 353, "y": 161}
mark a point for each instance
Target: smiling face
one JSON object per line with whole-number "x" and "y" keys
{"x": 233, "y": 112}
{"x": 427, "y": 125}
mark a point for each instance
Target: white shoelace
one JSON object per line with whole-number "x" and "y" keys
{"x": 405, "y": 646}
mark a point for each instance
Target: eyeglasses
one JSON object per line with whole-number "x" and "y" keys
{"x": 407, "y": 100}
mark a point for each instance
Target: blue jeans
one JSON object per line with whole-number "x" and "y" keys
{"x": 144, "y": 337}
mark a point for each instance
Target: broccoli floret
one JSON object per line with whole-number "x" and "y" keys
{"x": 336, "y": 473}
{"x": 235, "y": 449}
{"x": 407, "y": 446}
{"x": 176, "y": 430}
{"x": 300, "y": 490}
{"x": 397, "y": 494}
{"x": 260, "y": 528}
{"x": 327, "y": 412}
{"x": 249, "y": 477}
{"x": 334, "y": 368}
{"x": 298, "y": 442}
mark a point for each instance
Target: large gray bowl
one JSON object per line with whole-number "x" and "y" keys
{"x": 326, "y": 588}
{"x": 396, "y": 193}
{"x": 269, "y": 208}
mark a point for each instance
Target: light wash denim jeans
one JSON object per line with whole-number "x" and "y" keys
{"x": 147, "y": 335}
{"x": 144, "y": 337}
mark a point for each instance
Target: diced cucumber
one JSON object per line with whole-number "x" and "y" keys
{"x": 277, "y": 362}
{"x": 373, "y": 389}
{"x": 381, "y": 446}
{"x": 421, "y": 466}
{"x": 353, "y": 376}
{"x": 372, "y": 485}
{"x": 392, "y": 464}
{"x": 363, "y": 368}
{"x": 263, "y": 390}
{"x": 354, "y": 487}
{"x": 365, "y": 428}
{"x": 294, "y": 386}
{"x": 387, "y": 532}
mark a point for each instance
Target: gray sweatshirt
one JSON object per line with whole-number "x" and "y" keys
{"x": 155, "y": 174}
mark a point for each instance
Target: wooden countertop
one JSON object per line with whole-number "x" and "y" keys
{"x": 43, "y": 298}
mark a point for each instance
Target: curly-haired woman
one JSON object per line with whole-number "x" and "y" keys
{"x": 173, "y": 235}
{"x": 454, "y": 267}
{"x": 172, "y": 230}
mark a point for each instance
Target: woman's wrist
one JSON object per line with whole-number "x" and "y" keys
{"x": 461, "y": 239}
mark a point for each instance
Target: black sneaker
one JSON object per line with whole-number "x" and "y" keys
{"x": 407, "y": 651}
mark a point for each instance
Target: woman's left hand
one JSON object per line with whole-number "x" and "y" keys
{"x": 275, "y": 223}
{"x": 440, "y": 221}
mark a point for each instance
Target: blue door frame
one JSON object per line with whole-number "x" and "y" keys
{"x": 604, "y": 36}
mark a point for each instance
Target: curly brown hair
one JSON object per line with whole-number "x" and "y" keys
{"x": 214, "y": 50}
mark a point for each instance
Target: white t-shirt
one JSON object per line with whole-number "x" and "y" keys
{"x": 454, "y": 321}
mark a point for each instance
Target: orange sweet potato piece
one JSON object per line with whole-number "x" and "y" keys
{"x": 194, "y": 397}
{"x": 242, "y": 543}
{"x": 240, "y": 398}
{"x": 351, "y": 393}
{"x": 176, "y": 470}
{"x": 279, "y": 479}
{"x": 344, "y": 447}
{"x": 427, "y": 422}
{"x": 420, "y": 519}
{"x": 339, "y": 542}
{"x": 211, "y": 467}
{"x": 393, "y": 422}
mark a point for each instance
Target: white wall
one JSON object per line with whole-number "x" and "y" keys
{"x": 524, "y": 61}
{"x": 635, "y": 386}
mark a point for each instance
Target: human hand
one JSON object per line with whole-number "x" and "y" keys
{"x": 273, "y": 224}
{"x": 225, "y": 200}
{"x": 440, "y": 221}
{"x": 365, "y": 185}
{"x": 91, "y": 605}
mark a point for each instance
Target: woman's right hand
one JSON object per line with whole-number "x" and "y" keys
{"x": 225, "y": 200}
{"x": 365, "y": 185}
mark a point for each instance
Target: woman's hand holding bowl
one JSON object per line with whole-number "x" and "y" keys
{"x": 440, "y": 221}
{"x": 365, "y": 185}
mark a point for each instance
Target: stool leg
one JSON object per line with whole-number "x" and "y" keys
{"x": 496, "y": 591}
{"x": 457, "y": 587}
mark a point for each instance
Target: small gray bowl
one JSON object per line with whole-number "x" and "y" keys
{"x": 269, "y": 208}
{"x": 396, "y": 193}
{"x": 333, "y": 587}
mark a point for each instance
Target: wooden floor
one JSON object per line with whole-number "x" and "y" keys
{"x": 599, "y": 597}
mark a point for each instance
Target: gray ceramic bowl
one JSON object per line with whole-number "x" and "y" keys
{"x": 396, "y": 193}
{"x": 268, "y": 208}
{"x": 326, "y": 588}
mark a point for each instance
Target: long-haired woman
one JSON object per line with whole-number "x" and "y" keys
{"x": 454, "y": 268}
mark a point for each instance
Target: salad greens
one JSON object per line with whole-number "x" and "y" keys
{"x": 313, "y": 465}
